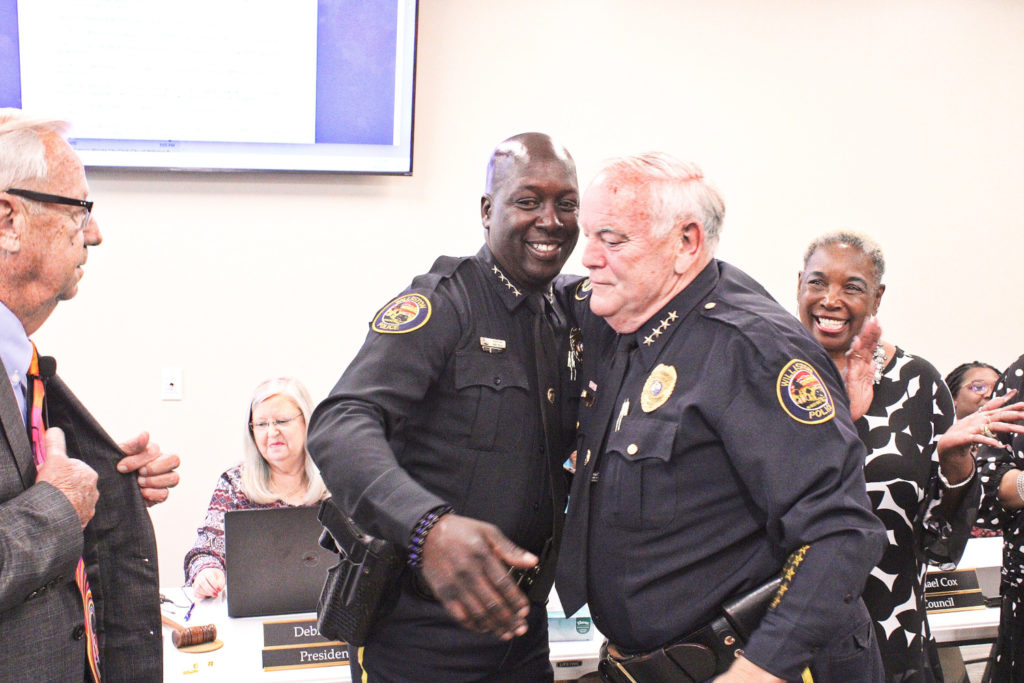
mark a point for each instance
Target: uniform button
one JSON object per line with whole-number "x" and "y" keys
{"x": 708, "y": 306}
{"x": 551, "y": 395}
{"x": 497, "y": 381}
{"x": 78, "y": 632}
{"x": 632, "y": 448}
{"x": 848, "y": 598}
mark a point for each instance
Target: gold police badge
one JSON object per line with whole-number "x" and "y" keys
{"x": 658, "y": 387}
{"x": 402, "y": 314}
{"x": 803, "y": 395}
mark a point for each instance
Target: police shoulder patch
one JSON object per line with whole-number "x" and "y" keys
{"x": 803, "y": 395}
{"x": 402, "y": 314}
{"x": 583, "y": 290}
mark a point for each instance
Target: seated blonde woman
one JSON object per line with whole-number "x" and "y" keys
{"x": 276, "y": 471}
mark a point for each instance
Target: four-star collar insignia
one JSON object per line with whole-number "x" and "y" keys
{"x": 505, "y": 281}
{"x": 660, "y": 327}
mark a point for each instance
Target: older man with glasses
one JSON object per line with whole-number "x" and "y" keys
{"x": 78, "y": 570}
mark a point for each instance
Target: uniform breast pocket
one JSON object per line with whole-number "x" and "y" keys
{"x": 638, "y": 478}
{"x": 491, "y": 388}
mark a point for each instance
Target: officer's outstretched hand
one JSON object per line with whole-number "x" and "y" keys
{"x": 466, "y": 564}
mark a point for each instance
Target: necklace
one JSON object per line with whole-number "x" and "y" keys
{"x": 879, "y": 357}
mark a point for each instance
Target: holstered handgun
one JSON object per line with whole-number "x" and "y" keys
{"x": 361, "y": 588}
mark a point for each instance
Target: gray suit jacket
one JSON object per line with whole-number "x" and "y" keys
{"x": 41, "y": 540}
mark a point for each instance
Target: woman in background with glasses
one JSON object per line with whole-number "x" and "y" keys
{"x": 971, "y": 385}
{"x": 276, "y": 471}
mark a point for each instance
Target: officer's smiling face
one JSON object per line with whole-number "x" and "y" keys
{"x": 530, "y": 216}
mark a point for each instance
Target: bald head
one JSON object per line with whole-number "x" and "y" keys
{"x": 520, "y": 150}
{"x": 529, "y": 209}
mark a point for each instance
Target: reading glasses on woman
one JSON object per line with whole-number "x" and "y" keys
{"x": 264, "y": 425}
{"x": 47, "y": 198}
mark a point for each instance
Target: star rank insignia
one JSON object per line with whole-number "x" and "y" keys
{"x": 660, "y": 327}
{"x": 505, "y": 281}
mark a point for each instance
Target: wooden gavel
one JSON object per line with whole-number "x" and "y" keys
{"x": 184, "y": 636}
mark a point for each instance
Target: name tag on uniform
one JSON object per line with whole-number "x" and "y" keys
{"x": 492, "y": 345}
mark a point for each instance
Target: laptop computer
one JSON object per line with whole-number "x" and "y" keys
{"x": 274, "y": 563}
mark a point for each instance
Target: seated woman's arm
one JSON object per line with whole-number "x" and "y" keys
{"x": 204, "y": 563}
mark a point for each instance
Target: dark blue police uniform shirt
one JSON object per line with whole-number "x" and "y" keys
{"x": 440, "y": 406}
{"x": 736, "y": 449}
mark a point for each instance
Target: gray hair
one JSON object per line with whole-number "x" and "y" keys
{"x": 256, "y": 475}
{"x": 22, "y": 153}
{"x": 676, "y": 191}
{"x": 862, "y": 243}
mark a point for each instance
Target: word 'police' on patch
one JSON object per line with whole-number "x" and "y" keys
{"x": 803, "y": 395}
{"x": 583, "y": 290}
{"x": 403, "y": 314}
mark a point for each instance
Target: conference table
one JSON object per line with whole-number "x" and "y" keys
{"x": 241, "y": 657}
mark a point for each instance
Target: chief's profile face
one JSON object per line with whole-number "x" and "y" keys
{"x": 631, "y": 269}
{"x": 838, "y": 290}
{"x": 531, "y": 218}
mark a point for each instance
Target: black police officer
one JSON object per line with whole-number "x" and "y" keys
{"x": 446, "y": 435}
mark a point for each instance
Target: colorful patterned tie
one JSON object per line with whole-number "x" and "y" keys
{"x": 37, "y": 392}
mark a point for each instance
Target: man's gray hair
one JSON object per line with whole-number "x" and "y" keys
{"x": 677, "y": 192}
{"x": 22, "y": 153}
{"x": 862, "y": 243}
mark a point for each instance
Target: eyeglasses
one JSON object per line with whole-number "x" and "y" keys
{"x": 55, "y": 199}
{"x": 264, "y": 425}
{"x": 979, "y": 387}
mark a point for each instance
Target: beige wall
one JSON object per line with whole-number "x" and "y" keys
{"x": 901, "y": 119}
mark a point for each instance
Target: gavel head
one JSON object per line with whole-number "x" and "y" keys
{"x": 194, "y": 635}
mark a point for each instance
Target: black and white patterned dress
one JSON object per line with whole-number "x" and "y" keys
{"x": 1009, "y": 663}
{"x": 911, "y": 409}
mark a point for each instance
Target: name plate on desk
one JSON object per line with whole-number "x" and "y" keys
{"x": 954, "y": 591}
{"x": 297, "y": 644}
{"x": 291, "y": 632}
{"x": 304, "y": 657}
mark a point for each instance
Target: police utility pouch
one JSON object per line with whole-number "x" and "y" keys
{"x": 362, "y": 586}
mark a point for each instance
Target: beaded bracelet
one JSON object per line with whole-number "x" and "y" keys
{"x": 974, "y": 470}
{"x": 1020, "y": 484}
{"x": 419, "y": 534}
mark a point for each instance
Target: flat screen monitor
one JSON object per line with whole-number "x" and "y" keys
{"x": 303, "y": 85}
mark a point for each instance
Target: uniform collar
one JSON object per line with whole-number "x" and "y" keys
{"x": 510, "y": 293}
{"x": 652, "y": 336}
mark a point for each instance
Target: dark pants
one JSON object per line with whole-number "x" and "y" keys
{"x": 853, "y": 656}
{"x": 419, "y": 643}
